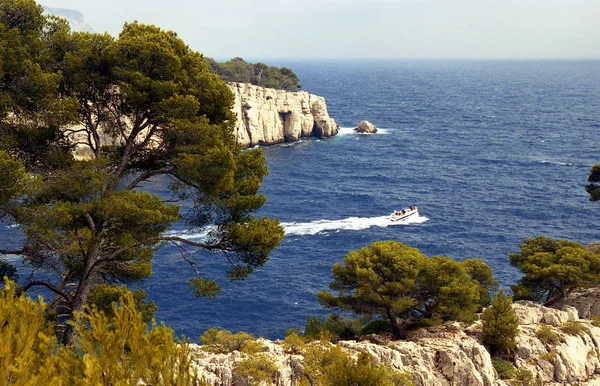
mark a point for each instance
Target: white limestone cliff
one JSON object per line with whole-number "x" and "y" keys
{"x": 269, "y": 116}
{"x": 447, "y": 355}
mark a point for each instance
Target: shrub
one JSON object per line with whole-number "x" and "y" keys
{"x": 422, "y": 323}
{"x": 504, "y": 368}
{"x": 376, "y": 327}
{"x": 525, "y": 378}
{"x": 549, "y": 356}
{"x": 573, "y": 328}
{"x": 294, "y": 343}
{"x": 255, "y": 370}
{"x": 332, "y": 328}
{"x": 596, "y": 320}
{"x": 547, "y": 335}
{"x": 500, "y": 325}
{"x": 116, "y": 350}
{"x": 328, "y": 365}
{"x": 224, "y": 342}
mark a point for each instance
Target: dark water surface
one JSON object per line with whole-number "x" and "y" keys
{"x": 492, "y": 152}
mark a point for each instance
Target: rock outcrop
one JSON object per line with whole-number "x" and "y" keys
{"x": 586, "y": 301}
{"x": 269, "y": 116}
{"x": 446, "y": 355}
{"x": 365, "y": 127}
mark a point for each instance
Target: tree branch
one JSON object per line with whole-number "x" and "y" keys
{"x": 145, "y": 176}
{"x": 51, "y": 287}
{"x": 184, "y": 256}
{"x": 190, "y": 242}
{"x": 12, "y": 251}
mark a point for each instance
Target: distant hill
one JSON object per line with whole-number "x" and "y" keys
{"x": 75, "y": 18}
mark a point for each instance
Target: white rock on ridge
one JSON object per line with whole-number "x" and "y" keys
{"x": 533, "y": 313}
{"x": 269, "y": 116}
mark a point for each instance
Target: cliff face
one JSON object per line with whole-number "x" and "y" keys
{"x": 269, "y": 116}
{"x": 448, "y": 355}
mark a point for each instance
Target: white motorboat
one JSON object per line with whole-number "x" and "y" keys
{"x": 404, "y": 213}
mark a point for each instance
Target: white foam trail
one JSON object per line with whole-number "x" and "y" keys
{"x": 317, "y": 226}
{"x": 192, "y": 234}
{"x": 351, "y": 223}
{"x": 350, "y": 130}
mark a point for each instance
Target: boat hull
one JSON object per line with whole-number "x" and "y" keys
{"x": 398, "y": 216}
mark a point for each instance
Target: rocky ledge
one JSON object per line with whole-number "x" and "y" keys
{"x": 266, "y": 116}
{"x": 450, "y": 355}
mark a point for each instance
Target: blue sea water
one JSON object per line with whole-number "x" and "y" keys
{"x": 492, "y": 152}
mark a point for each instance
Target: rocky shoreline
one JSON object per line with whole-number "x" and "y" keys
{"x": 449, "y": 354}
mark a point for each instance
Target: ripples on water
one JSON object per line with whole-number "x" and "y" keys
{"x": 492, "y": 152}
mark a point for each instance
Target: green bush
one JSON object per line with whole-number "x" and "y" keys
{"x": 500, "y": 325}
{"x": 596, "y": 320}
{"x": 549, "y": 356}
{"x": 333, "y": 328}
{"x": 327, "y": 365}
{"x": 256, "y": 369}
{"x": 525, "y": 378}
{"x": 573, "y": 328}
{"x": 294, "y": 343}
{"x": 224, "y": 342}
{"x": 107, "y": 350}
{"x": 547, "y": 334}
{"x": 376, "y": 327}
{"x": 505, "y": 369}
{"x": 423, "y": 323}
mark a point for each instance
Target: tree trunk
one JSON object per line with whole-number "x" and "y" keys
{"x": 399, "y": 330}
{"x": 80, "y": 299}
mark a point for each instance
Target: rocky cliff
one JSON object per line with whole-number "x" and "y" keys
{"x": 448, "y": 355}
{"x": 269, "y": 116}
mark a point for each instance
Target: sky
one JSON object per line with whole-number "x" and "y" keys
{"x": 361, "y": 29}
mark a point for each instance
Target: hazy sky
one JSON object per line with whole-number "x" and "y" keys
{"x": 285, "y": 29}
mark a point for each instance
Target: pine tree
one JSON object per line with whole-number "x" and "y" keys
{"x": 500, "y": 326}
{"x": 400, "y": 284}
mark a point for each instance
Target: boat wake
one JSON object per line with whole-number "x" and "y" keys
{"x": 350, "y": 223}
{"x": 316, "y": 226}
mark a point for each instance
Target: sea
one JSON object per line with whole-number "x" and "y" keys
{"x": 492, "y": 152}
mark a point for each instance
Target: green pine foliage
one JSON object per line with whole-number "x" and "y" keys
{"x": 500, "y": 326}
{"x": 85, "y": 121}
{"x": 238, "y": 70}
{"x": 553, "y": 268}
{"x": 399, "y": 284}
{"x": 504, "y": 368}
{"x": 573, "y": 328}
{"x": 115, "y": 350}
{"x": 547, "y": 334}
{"x": 256, "y": 370}
{"x": 329, "y": 365}
{"x": 224, "y": 342}
{"x": 524, "y": 377}
{"x": 336, "y": 327}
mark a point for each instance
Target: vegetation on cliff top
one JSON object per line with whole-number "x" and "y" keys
{"x": 238, "y": 70}
{"x": 161, "y": 114}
